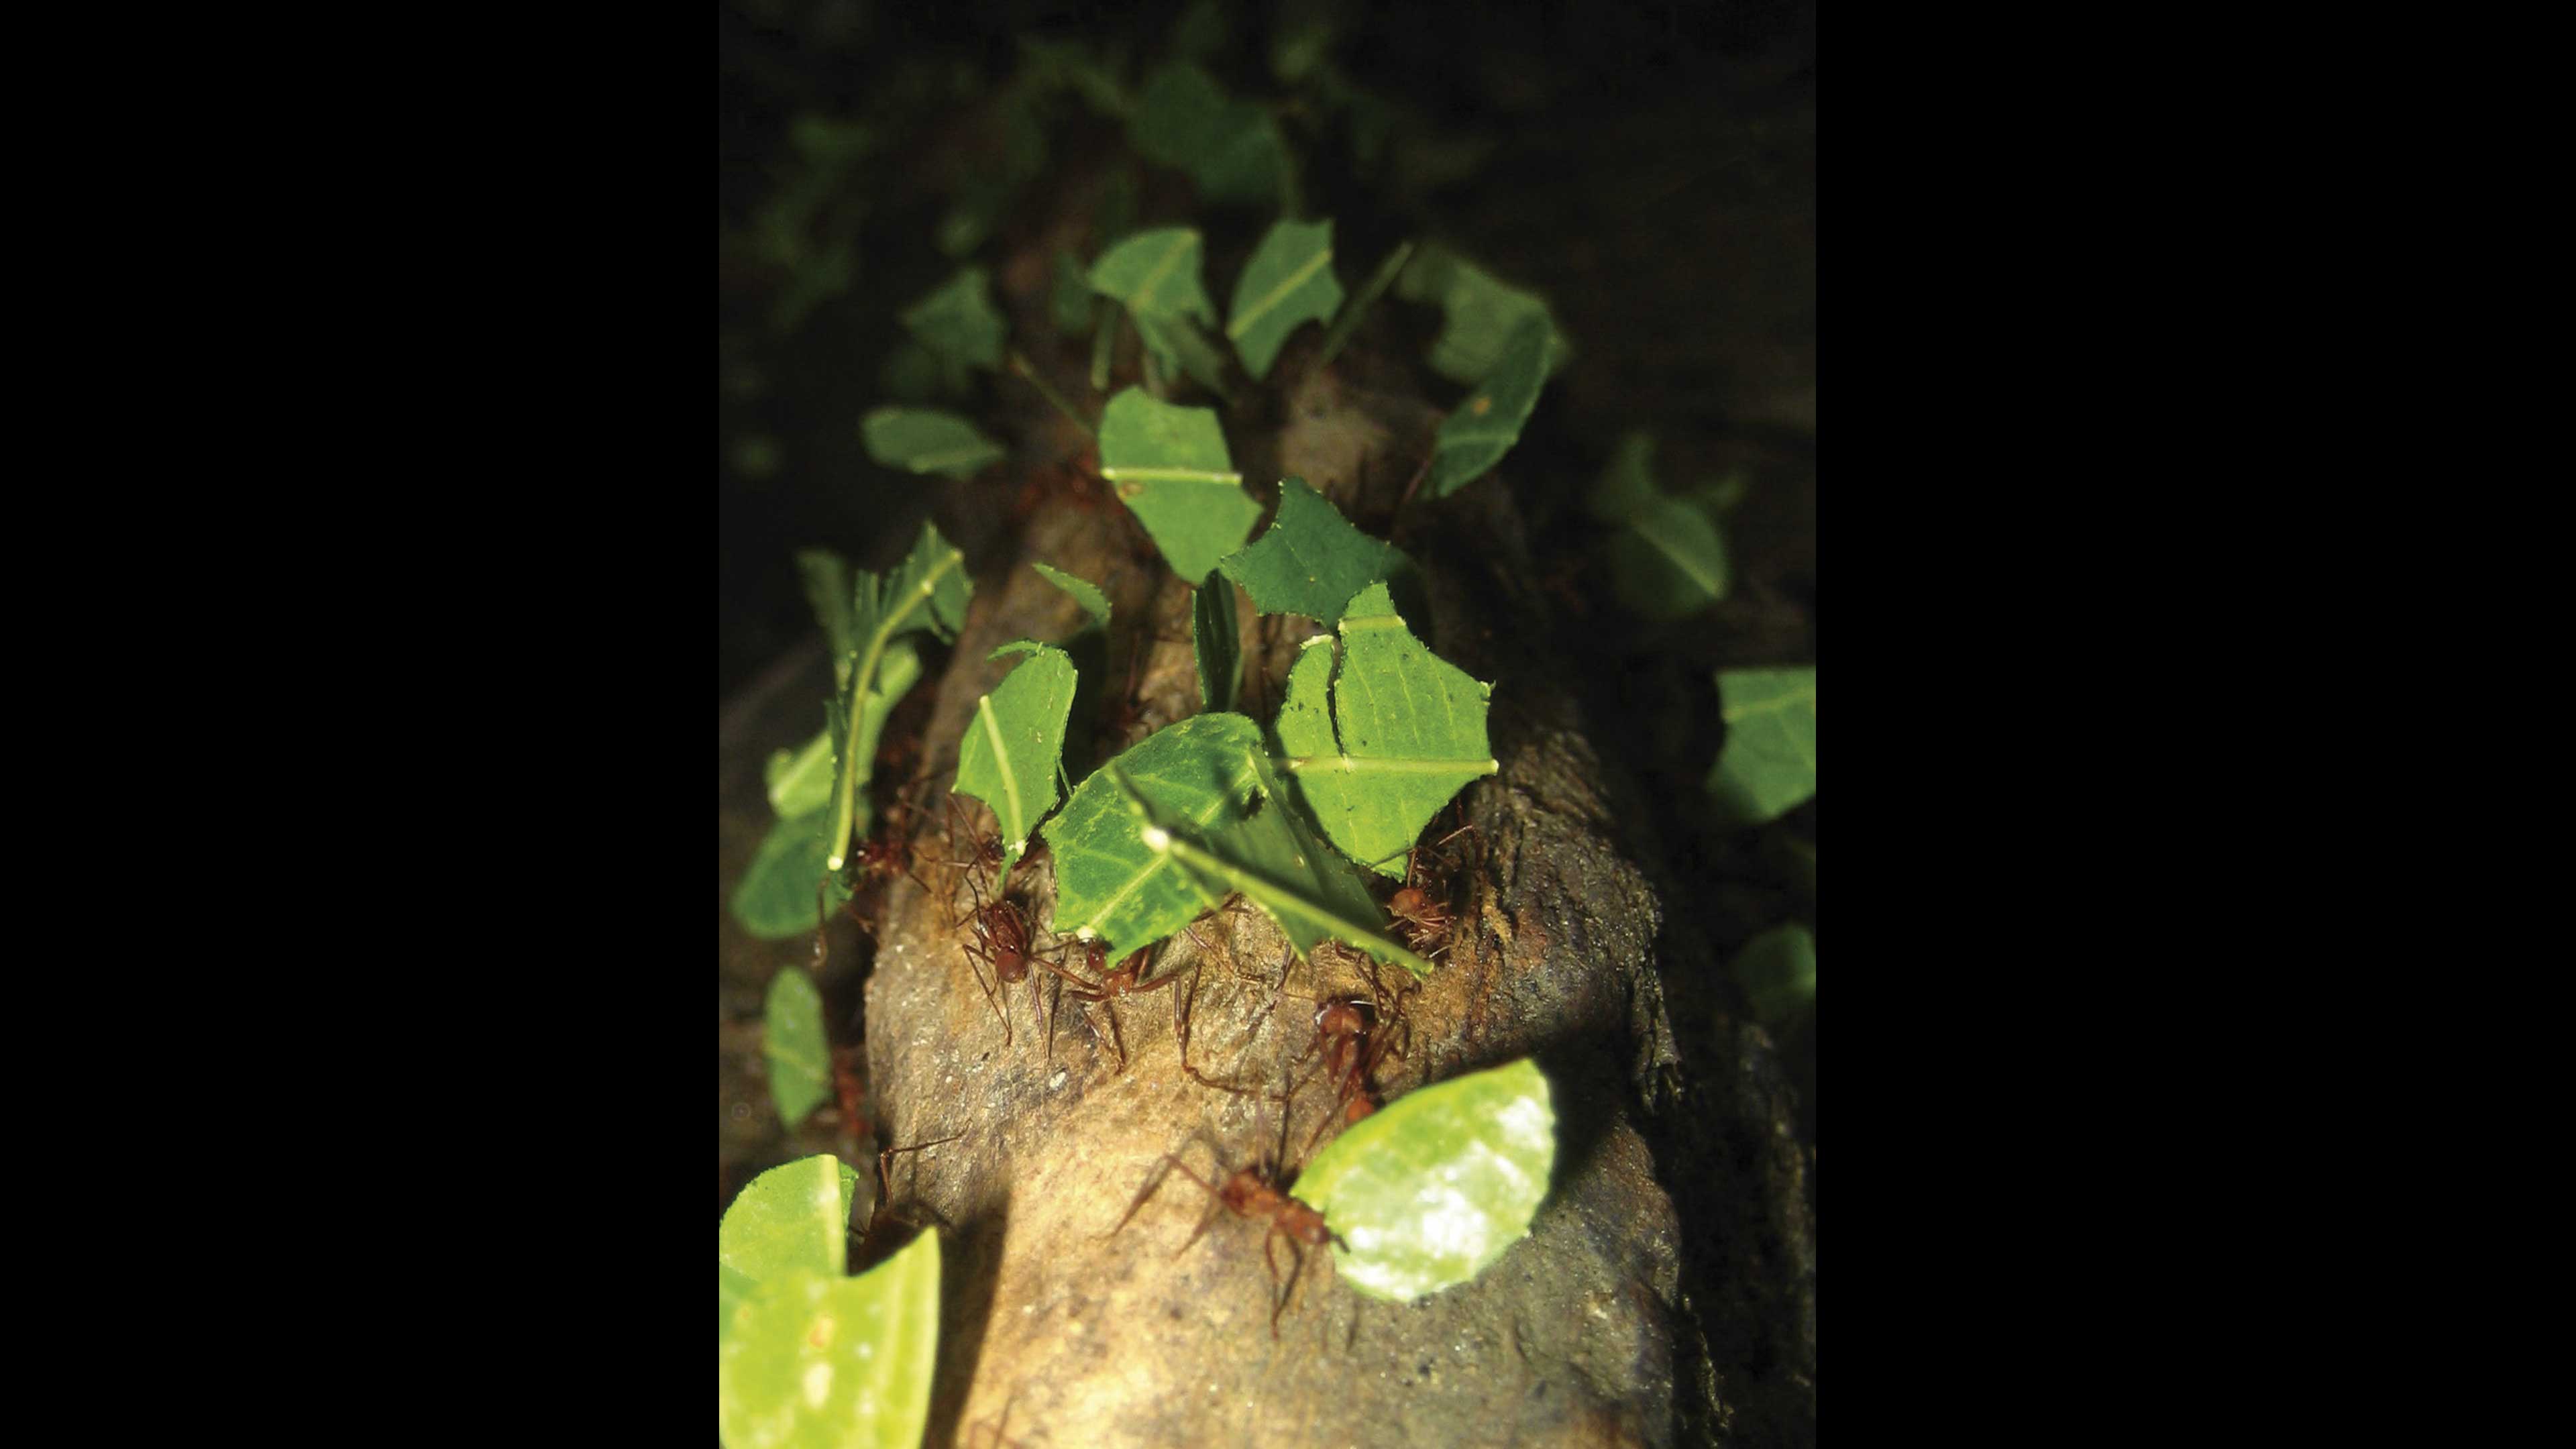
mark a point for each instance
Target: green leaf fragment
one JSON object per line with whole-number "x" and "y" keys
{"x": 775, "y": 900}
{"x": 1232, "y": 149}
{"x": 1767, "y": 766}
{"x": 959, "y": 321}
{"x": 929, "y": 592}
{"x": 1155, "y": 274}
{"x": 1014, "y": 743}
{"x": 793, "y": 1041}
{"x": 925, "y": 440}
{"x": 1482, "y": 314}
{"x": 1311, "y": 560}
{"x": 800, "y": 781}
{"x": 1431, "y": 1190}
{"x": 1170, "y": 467}
{"x": 1380, "y": 733}
{"x": 819, "y": 1361}
{"x": 1288, "y": 282}
{"x": 1084, "y": 591}
{"x": 1778, "y": 972}
{"x": 1216, "y": 641}
{"x": 791, "y": 1219}
{"x": 1109, "y": 883}
{"x": 1357, "y": 308}
{"x": 827, "y": 588}
{"x": 1489, "y": 422}
{"x": 1669, "y": 561}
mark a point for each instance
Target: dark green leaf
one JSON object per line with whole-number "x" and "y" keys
{"x": 1483, "y": 313}
{"x": 1768, "y": 765}
{"x": 827, "y": 588}
{"x": 818, "y": 1361}
{"x": 1311, "y": 561}
{"x": 1217, "y": 641}
{"x": 1434, "y": 1188}
{"x": 1402, "y": 732}
{"x": 1014, "y": 745}
{"x": 1232, "y": 149}
{"x": 1626, "y": 488}
{"x": 1069, "y": 304}
{"x": 1109, "y": 883}
{"x": 1172, "y": 470}
{"x": 1486, "y": 425}
{"x": 793, "y": 1041}
{"x": 1349, "y": 320}
{"x": 1778, "y": 971}
{"x": 1155, "y": 274}
{"x": 1669, "y": 562}
{"x": 775, "y": 898}
{"x": 1289, "y": 281}
{"x": 959, "y": 322}
{"x": 924, "y": 440}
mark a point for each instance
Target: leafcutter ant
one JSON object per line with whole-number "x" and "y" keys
{"x": 999, "y": 937}
{"x": 871, "y": 1238}
{"x": 1421, "y": 908}
{"x": 1108, "y": 989}
{"x": 1256, "y": 1192}
{"x": 1356, "y": 1038}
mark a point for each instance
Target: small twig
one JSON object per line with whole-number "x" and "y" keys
{"x": 1029, "y": 372}
{"x": 1349, "y": 322}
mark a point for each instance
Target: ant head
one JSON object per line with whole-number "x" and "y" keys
{"x": 1341, "y": 1018}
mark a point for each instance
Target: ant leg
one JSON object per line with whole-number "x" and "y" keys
{"x": 990, "y": 1000}
{"x": 1151, "y": 1183}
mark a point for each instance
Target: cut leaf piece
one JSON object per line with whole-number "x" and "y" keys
{"x": 1767, "y": 767}
{"x": 1311, "y": 561}
{"x": 925, "y": 440}
{"x": 1288, "y": 282}
{"x": 819, "y": 1360}
{"x": 1014, "y": 744}
{"x": 1217, "y": 642}
{"x": 959, "y": 323}
{"x": 791, "y": 1219}
{"x": 1172, "y": 470}
{"x": 1084, "y": 591}
{"x": 1626, "y": 488}
{"x": 1429, "y": 1191}
{"x": 1669, "y": 561}
{"x": 1778, "y": 972}
{"x": 1232, "y": 149}
{"x": 1482, "y": 313}
{"x": 827, "y": 588}
{"x": 1402, "y": 731}
{"x": 792, "y": 1040}
{"x": 929, "y": 592}
{"x": 800, "y": 781}
{"x": 1109, "y": 883}
{"x": 1486, "y": 425}
{"x": 1156, "y": 274}
{"x": 774, "y": 901}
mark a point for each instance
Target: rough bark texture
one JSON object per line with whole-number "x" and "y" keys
{"x": 1666, "y": 1292}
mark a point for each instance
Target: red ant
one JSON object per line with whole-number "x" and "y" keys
{"x": 1423, "y": 919}
{"x": 983, "y": 852}
{"x": 1119, "y": 984}
{"x": 1356, "y": 1038}
{"x": 1253, "y": 1192}
{"x": 871, "y": 1239}
{"x": 1001, "y": 941}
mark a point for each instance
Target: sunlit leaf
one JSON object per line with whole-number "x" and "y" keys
{"x": 1014, "y": 744}
{"x": 793, "y": 1041}
{"x": 819, "y": 1361}
{"x": 1232, "y": 149}
{"x": 929, "y": 593}
{"x": 1289, "y": 281}
{"x": 1485, "y": 426}
{"x": 775, "y": 900}
{"x": 1109, "y": 883}
{"x": 1217, "y": 643}
{"x": 800, "y": 781}
{"x": 925, "y": 440}
{"x": 733, "y": 1288}
{"x": 1767, "y": 767}
{"x": 791, "y": 1219}
{"x": 1171, "y": 469}
{"x": 1778, "y": 972}
{"x": 1430, "y": 1190}
{"x": 959, "y": 321}
{"x": 1084, "y": 591}
{"x": 1483, "y": 314}
{"x": 1311, "y": 561}
{"x": 1380, "y": 733}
